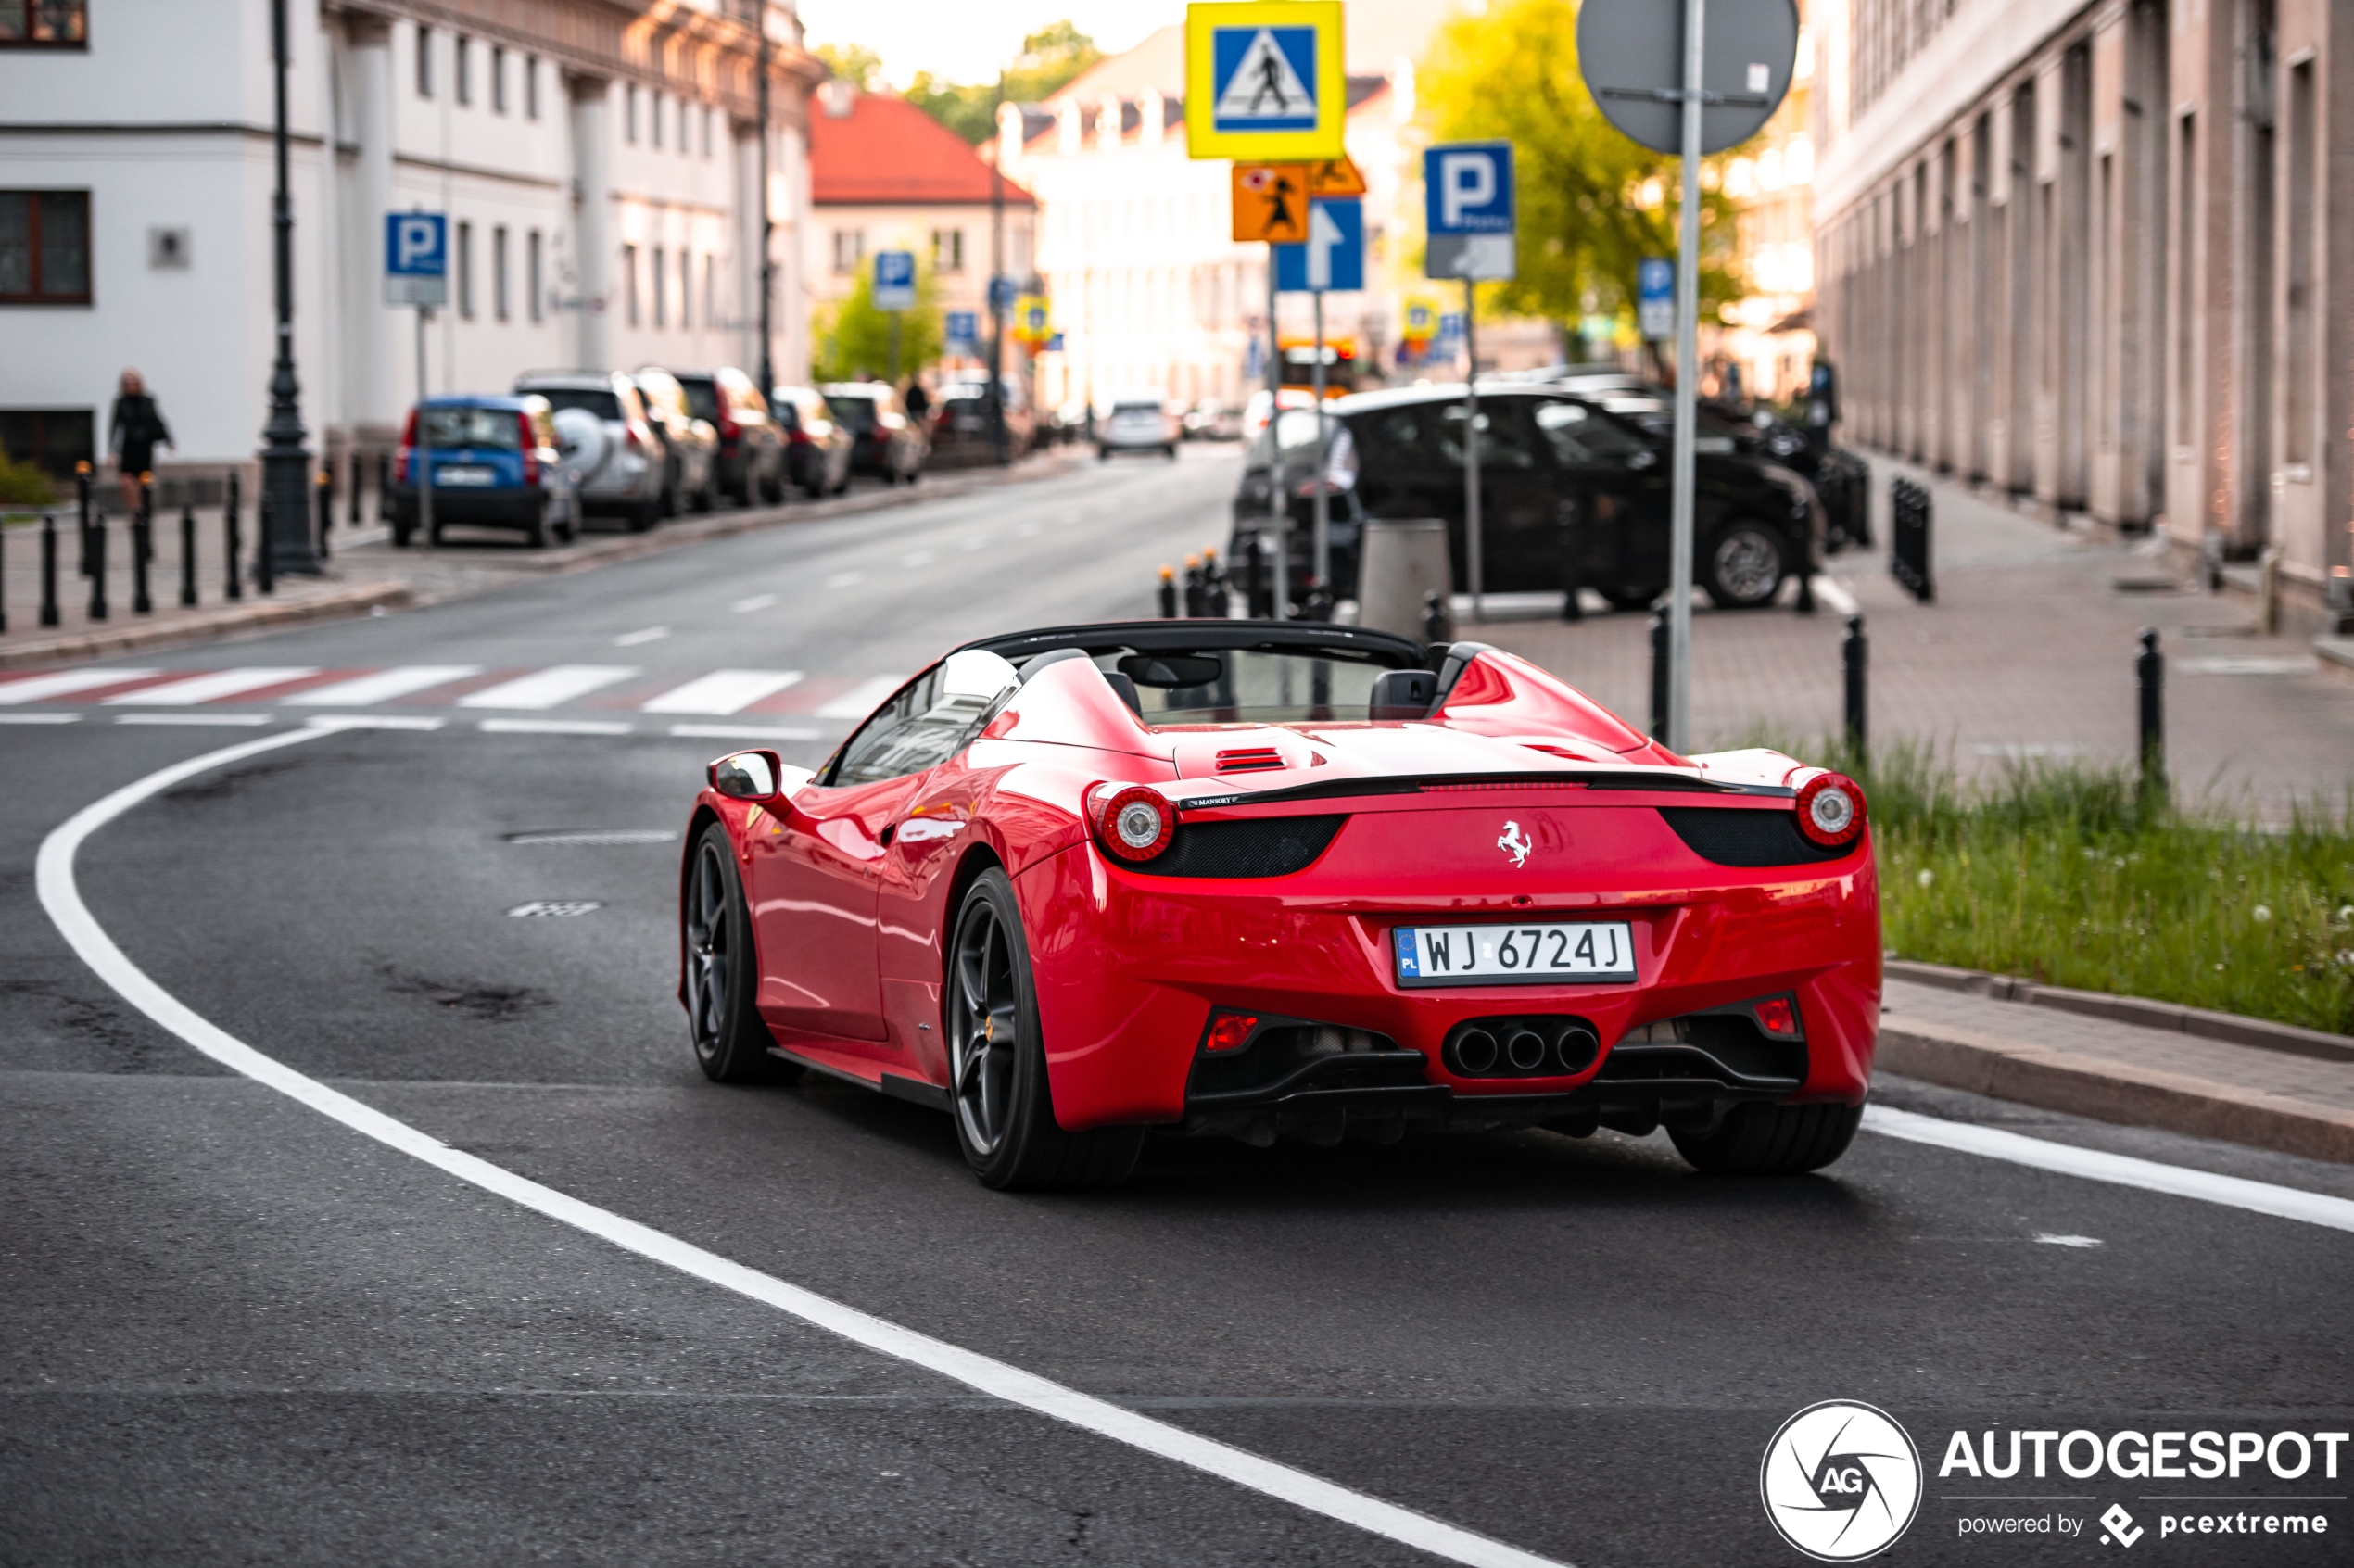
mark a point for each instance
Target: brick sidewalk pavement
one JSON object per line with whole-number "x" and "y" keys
{"x": 2028, "y": 651}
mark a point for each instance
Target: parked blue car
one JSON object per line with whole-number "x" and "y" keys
{"x": 495, "y": 463}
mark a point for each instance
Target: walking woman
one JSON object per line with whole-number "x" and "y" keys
{"x": 134, "y": 430}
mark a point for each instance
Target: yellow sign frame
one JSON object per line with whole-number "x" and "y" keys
{"x": 1203, "y": 139}
{"x": 1020, "y": 329}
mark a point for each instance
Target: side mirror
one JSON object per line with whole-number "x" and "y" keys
{"x": 747, "y": 776}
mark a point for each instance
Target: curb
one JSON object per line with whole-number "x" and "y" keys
{"x": 2115, "y": 1092}
{"x": 2170, "y": 1016}
{"x": 202, "y": 626}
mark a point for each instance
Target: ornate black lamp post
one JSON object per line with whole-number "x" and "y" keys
{"x": 285, "y": 462}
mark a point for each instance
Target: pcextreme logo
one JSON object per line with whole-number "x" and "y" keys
{"x": 1842, "y": 1480}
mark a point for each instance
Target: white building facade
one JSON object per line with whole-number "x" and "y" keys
{"x": 598, "y": 160}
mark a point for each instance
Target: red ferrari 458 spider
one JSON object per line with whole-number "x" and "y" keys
{"x": 1255, "y": 879}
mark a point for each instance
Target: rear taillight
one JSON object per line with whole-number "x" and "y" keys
{"x": 407, "y": 449}
{"x": 637, "y": 439}
{"x": 1830, "y": 809}
{"x": 1134, "y": 823}
{"x": 1229, "y": 1032}
{"x": 530, "y": 439}
{"x": 797, "y": 436}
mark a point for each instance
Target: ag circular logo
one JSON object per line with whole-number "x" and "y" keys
{"x": 1842, "y": 1480}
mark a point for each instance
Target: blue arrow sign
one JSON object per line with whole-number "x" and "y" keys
{"x": 1655, "y": 297}
{"x": 1332, "y": 257}
{"x": 1001, "y": 294}
{"x": 895, "y": 280}
{"x": 1265, "y": 78}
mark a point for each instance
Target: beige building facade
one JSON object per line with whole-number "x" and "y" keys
{"x": 2103, "y": 256}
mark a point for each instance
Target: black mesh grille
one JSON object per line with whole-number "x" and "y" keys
{"x": 1734, "y": 836}
{"x": 1267, "y": 846}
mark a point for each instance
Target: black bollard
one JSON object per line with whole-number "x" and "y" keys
{"x": 1194, "y": 593}
{"x": 231, "y": 544}
{"x": 383, "y": 490}
{"x": 1806, "y": 605}
{"x": 1167, "y": 594}
{"x": 188, "y": 556}
{"x": 98, "y": 570}
{"x": 1261, "y": 603}
{"x": 2149, "y": 670}
{"x": 265, "y": 571}
{"x": 1570, "y": 609}
{"x": 351, "y": 503}
{"x": 82, "y": 498}
{"x": 1317, "y": 606}
{"x": 1437, "y": 624}
{"x": 49, "y": 570}
{"x": 1659, "y": 674}
{"x": 1213, "y": 577}
{"x": 1854, "y": 653}
{"x": 142, "y": 550}
{"x": 327, "y": 507}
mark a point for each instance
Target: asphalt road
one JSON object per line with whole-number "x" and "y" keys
{"x": 233, "y": 1330}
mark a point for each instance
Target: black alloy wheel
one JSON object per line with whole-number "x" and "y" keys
{"x": 1757, "y": 1139}
{"x": 1003, "y": 1106}
{"x": 732, "y": 1043}
{"x": 1742, "y": 566}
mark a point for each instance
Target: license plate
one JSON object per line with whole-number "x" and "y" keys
{"x": 458, "y": 474}
{"x": 1532, "y": 954}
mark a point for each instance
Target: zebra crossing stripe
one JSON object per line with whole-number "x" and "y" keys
{"x": 722, "y": 691}
{"x": 65, "y": 683}
{"x": 381, "y": 685}
{"x": 212, "y": 687}
{"x": 546, "y": 689}
{"x": 861, "y": 699}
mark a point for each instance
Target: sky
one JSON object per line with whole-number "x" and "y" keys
{"x": 968, "y": 40}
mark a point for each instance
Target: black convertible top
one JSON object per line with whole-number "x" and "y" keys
{"x": 1357, "y": 644}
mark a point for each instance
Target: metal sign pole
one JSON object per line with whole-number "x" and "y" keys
{"x": 1679, "y": 601}
{"x": 421, "y": 456}
{"x": 1277, "y": 500}
{"x": 1472, "y": 555}
{"x": 1323, "y": 503}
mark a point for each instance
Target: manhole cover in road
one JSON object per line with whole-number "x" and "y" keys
{"x": 592, "y": 835}
{"x": 554, "y": 907}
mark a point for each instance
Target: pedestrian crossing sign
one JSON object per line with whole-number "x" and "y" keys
{"x": 1263, "y": 79}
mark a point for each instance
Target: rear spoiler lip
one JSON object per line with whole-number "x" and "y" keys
{"x": 1659, "y": 780}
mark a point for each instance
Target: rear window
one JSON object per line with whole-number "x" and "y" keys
{"x": 1239, "y": 685}
{"x": 603, "y": 404}
{"x": 1135, "y": 408}
{"x": 854, "y": 411}
{"x": 702, "y": 399}
{"x": 500, "y": 428}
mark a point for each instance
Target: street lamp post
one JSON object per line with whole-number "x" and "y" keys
{"x": 995, "y": 401}
{"x": 285, "y": 462}
{"x": 767, "y": 221}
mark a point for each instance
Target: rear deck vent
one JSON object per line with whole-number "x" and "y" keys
{"x": 1264, "y": 846}
{"x": 1738, "y": 836}
{"x": 1249, "y": 759}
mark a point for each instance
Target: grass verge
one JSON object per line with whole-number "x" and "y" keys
{"x": 2065, "y": 875}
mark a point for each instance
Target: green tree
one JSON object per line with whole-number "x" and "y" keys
{"x": 1510, "y": 74}
{"x": 855, "y": 63}
{"x": 1050, "y": 57}
{"x": 852, "y": 339}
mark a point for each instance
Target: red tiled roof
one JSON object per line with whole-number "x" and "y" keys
{"x": 888, "y": 152}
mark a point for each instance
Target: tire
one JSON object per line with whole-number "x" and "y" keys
{"x": 731, "y": 1043}
{"x": 1757, "y": 1139}
{"x": 403, "y": 534}
{"x": 536, "y": 534}
{"x": 644, "y": 516}
{"x": 1103, "y": 454}
{"x": 1631, "y": 598}
{"x": 1170, "y": 452}
{"x": 1742, "y": 566}
{"x": 707, "y": 498}
{"x": 433, "y": 536}
{"x": 1001, "y": 1101}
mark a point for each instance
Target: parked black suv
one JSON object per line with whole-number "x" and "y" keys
{"x": 1563, "y": 483}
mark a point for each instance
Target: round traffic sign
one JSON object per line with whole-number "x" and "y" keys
{"x": 1632, "y": 54}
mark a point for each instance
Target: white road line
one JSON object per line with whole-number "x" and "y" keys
{"x": 860, "y": 700}
{"x": 65, "y": 683}
{"x": 915, "y": 558}
{"x": 40, "y": 718}
{"x": 382, "y": 686}
{"x": 372, "y": 721}
{"x": 757, "y": 602}
{"x": 212, "y": 687}
{"x": 554, "y": 726}
{"x": 544, "y": 688}
{"x": 845, "y": 579}
{"x": 61, "y": 897}
{"x": 1834, "y": 594}
{"x": 647, "y": 634}
{"x": 722, "y": 691}
{"x": 222, "y": 720}
{"x": 2124, "y": 1170}
{"x": 739, "y": 732}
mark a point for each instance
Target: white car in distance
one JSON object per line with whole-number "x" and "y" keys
{"x": 1139, "y": 422}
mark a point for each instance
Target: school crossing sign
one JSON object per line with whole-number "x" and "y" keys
{"x": 1263, "y": 79}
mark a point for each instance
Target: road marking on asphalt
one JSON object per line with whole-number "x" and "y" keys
{"x": 554, "y": 726}
{"x": 382, "y": 686}
{"x": 40, "y": 718}
{"x": 739, "y": 732}
{"x": 2049, "y": 1240}
{"x": 915, "y": 558}
{"x": 1832, "y": 592}
{"x": 757, "y": 602}
{"x": 41, "y": 689}
{"x": 374, "y": 721}
{"x": 860, "y": 700}
{"x": 2224, "y": 665}
{"x": 546, "y": 689}
{"x": 2124, "y": 1170}
{"x": 722, "y": 691}
{"x": 845, "y": 579}
{"x": 647, "y": 634}
{"x": 215, "y": 720}
{"x": 595, "y": 836}
{"x": 213, "y": 685}
{"x": 559, "y": 907}
{"x": 61, "y": 897}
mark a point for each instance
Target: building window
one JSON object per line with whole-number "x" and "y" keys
{"x": 706, "y": 130}
{"x": 686, "y": 290}
{"x": 2304, "y": 196}
{"x": 44, "y": 247}
{"x": 50, "y": 439}
{"x": 424, "y": 62}
{"x": 465, "y": 261}
{"x": 686, "y": 141}
{"x": 462, "y": 69}
{"x": 629, "y": 114}
{"x": 850, "y": 248}
{"x": 710, "y": 291}
{"x": 44, "y": 24}
{"x": 2187, "y": 284}
{"x": 653, "y": 120}
{"x": 531, "y": 274}
{"x": 629, "y": 283}
{"x": 497, "y": 79}
{"x": 662, "y": 287}
{"x": 531, "y": 87}
{"x": 948, "y": 251}
{"x": 499, "y": 272}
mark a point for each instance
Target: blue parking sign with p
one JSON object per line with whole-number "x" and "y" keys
{"x": 416, "y": 258}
